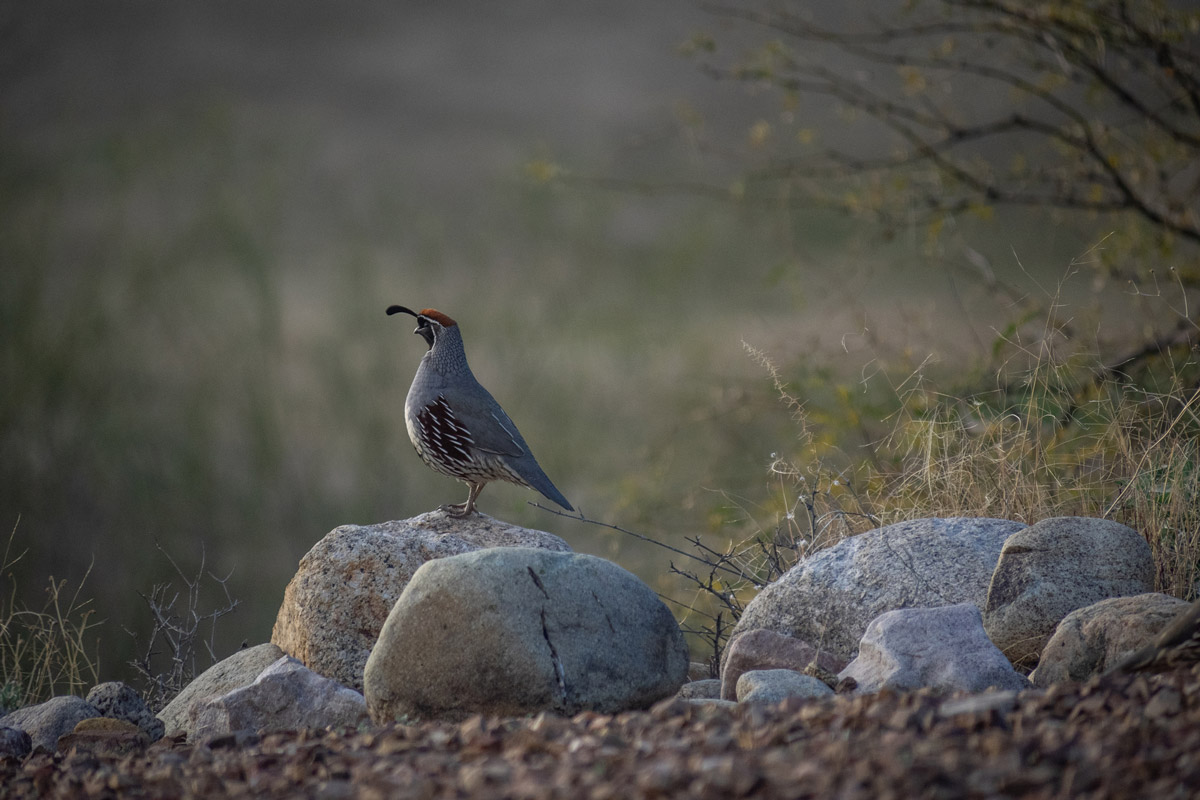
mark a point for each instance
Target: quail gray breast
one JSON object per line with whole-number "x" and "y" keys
{"x": 457, "y": 427}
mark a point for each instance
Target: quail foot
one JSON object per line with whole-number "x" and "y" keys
{"x": 457, "y": 427}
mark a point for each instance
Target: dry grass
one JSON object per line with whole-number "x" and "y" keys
{"x": 1057, "y": 432}
{"x": 1062, "y": 437}
{"x": 48, "y": 651}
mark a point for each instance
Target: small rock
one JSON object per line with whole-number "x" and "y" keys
{"x": 1054, "y": 567}
{"x": 119, "y": 701}
{"x": 773, "y": 685}
{"x": 47, "y": 721}
{"x": 14, "y": 743}
{"x": 762, "y": 649}
{"x": 237, "y": 740}
{"x": 944, "y": 649}
{"x": 1167, "y": 702}
{"x": 988, "y": 701}
{"x": 239, "y": 669}
{"x": 1092, "y": 639}
{"x": 846, "y": 685}
{"x": 287, "y": 695}
{"x": 709, "y": 702}
{"x": 104, "y": 736}
{"x": 703, "y": 689}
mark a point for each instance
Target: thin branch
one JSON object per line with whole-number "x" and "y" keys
{"x": 580, "y": 517}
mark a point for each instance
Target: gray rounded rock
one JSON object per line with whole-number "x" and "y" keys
{"x": 239, "y": 669}
{"x": 774, "y": 685}
{"x": 337, "y": 602}
{"x": 14, "y": 743}
{"x": 118, "y": 700}
{"x": 704, "y": 689}
{"x": 1054, "y": 567}
{"x": 47, "y": 721}
{"x": 285, "y": 696}
{"x": 1092, "y": 639}
{"x": 944, "y": 649}
{"x": 511, "y": 631}
{"x": 761, "y": 649}
{"x": 829, "y": 598}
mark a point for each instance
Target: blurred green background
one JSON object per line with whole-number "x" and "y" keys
{"x": 206, "y": 207}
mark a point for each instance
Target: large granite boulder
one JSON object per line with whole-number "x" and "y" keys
{"x": 1093, "y": 639}
{"x": 829, "y": 598}
{"x": 944, "y": 649}
{"x": 512, "y": 631}
{"x": 1054, "y": 567}
{"x": 336, "y": 604}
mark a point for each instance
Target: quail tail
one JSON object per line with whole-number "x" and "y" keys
{"x": 537, "y": 479}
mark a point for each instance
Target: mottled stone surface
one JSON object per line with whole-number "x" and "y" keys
{"x": 829, "y": 598}
{"x": 517, "y": 630}
{"x": 763, "y": 650}
{"x": 336, "y": 604}
{"x": 773, "y": 685}
{"x": 119, "y": 701}
{"x": 1054, "y": 567}
{"x": 285, "y": 696}
{"x": 239, "y": 669}
{"x": 1092, "y": 639}
{"x": 944, "y": 649}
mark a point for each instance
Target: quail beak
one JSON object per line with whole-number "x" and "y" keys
{"x": 423, "y": 328}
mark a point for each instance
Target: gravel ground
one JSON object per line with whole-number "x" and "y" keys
{"x": 1127, "y": 738}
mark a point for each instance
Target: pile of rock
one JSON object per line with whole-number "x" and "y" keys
{"x": 433, "y": 618}
{"x": 952, "y": 605}
{"x": 111, "y": 711}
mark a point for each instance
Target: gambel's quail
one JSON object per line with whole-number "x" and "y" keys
{"x": 457, "y": 427}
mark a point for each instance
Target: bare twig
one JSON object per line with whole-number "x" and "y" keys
{"x": 177, "y": 632}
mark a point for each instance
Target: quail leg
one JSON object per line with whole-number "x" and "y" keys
{"x": 459, "y": 510}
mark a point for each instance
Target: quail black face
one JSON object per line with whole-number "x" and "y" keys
{"x": 425, "y": 325}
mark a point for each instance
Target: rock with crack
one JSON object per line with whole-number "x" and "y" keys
{"x": 829, "y": 598}
{"x": 512, "y": 631}
{"x": 335, "y": 606}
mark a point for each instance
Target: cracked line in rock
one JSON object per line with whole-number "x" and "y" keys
{"x": 559, "y": 673}
{"x": 538, "y": 582}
